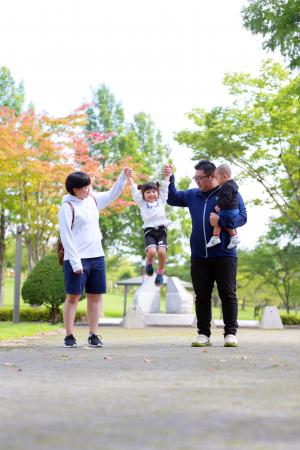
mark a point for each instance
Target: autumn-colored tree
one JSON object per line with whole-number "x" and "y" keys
{"x": 37, "y": 152}
{"x": 11, "y": 96}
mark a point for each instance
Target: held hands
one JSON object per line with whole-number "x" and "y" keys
{"x": 167, "y": 171}
{"x": 127, "y": 172}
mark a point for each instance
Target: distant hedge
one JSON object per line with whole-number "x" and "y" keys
{"x": 39, "y": 314}
{"x": 290, "y": 319}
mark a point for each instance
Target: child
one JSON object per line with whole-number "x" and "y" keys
{"x": 227, "y": 205}
{"x": 151, "y": 201}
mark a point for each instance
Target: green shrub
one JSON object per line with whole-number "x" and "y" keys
{"x": 290, "y": 319}
{"x": 39, "y": 314}
{"x": 26, "y": 314}
{"x": 45, "y": 285}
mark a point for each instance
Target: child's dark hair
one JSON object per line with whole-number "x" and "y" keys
{"x": 77, "y": 180}
{"x": 147, "y": 186}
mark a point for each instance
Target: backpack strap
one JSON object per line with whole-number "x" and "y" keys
{"x": 73, "y": 214}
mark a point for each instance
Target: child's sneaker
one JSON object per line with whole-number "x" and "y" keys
{"x": 230, "y": 340}
{"x": 159, "y": 279}
{"x": 234, "y": 241}
{"x": 94, "y": 340}
{"x": 70, "y": 341}
{"x": 214, "y": 240}
{"x": 149, "y": 269}
{"x": 201, "y": 341}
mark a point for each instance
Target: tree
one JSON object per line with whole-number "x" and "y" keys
{"x": 37, "y": 152}
{"x": 105, "y": 115}
{"x": 12, "y": 97}
{"x": 142, "y": 143}
{"x": 278, "y": 268}
{"x": 260, "y": 134}
{"x": 45, "y": 285}
{"x": 279, "y": 23}
{"x": 33, "y": 169}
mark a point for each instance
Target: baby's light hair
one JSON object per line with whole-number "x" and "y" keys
{"x": 224, "y": 169}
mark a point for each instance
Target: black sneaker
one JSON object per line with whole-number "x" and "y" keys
{"x": 149, "y": 270}
{"x": 94, "y": 340}
{"x": 159, "y": 279}
{"x": 70, "y": 341}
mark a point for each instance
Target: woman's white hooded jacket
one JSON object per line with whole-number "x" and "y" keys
{"x": 83, "y": 239}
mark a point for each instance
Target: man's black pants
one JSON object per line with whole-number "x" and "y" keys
{"x": 205, "y": 272}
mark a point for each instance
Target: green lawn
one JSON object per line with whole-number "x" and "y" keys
{"x": 9, "y": 330}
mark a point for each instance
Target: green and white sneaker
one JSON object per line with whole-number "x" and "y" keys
{"x": 201, "y": 341}
{"x": 230, "y": 340}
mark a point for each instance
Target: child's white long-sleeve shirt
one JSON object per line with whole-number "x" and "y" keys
{"x": 153, "y": 214}
{"x": 83, "y": 240}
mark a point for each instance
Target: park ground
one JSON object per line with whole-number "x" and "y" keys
{"x": 148, "y": 389}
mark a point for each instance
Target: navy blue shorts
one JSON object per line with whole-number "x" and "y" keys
{"x": 229, "y": 213}
{"x": 93, "y": 278}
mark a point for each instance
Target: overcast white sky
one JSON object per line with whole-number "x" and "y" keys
{"x": 163, "y": 57}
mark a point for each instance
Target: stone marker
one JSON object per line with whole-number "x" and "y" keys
{"x": 134, "y": 317}
{"x": 271, "y": 319}
{"x": 179, "y": 300}
{"x": 147, "y": 296}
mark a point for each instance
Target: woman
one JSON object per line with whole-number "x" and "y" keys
{"x": 84, "y": 265}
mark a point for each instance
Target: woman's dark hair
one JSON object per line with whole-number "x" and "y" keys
{"x": 147, "y": 186}
{"x": 205, "y": 165}
{"x": 77, "y": 180}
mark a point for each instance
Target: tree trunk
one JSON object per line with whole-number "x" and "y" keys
{"x": 54, "y": 314}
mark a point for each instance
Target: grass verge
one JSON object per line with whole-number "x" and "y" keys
{"x": 9, "y": 330}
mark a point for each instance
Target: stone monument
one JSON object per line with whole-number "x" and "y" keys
{"x": 147, "y": 296}
{"x": 271, "y": 319}
{"x": 179, "y": 300}
{"x": 134, "y": 317}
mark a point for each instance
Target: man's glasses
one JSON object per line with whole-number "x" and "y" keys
{"x": 201, "y": 178}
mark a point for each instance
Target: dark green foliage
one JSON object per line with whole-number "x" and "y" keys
{"x": 278, "y": 22}
{"x": 45, "y": 285}
{"x": 290, "y": 319}
{"x": 38, "y": 314}
{"x": 28, "y": 314}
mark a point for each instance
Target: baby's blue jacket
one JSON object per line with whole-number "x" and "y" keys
{"x": 200, "y": 205}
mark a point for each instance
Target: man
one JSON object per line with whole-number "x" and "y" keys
{"x": 209, "y": 265}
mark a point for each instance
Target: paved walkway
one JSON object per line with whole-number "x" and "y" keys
{"x": 148, "y": 389}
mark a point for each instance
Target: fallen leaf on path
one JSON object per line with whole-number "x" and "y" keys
{"x": 244, "y": 357}
{"x": 146, "y": 360}
{"x": 65, "y": 357}
{"x": 108, "y": 357}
